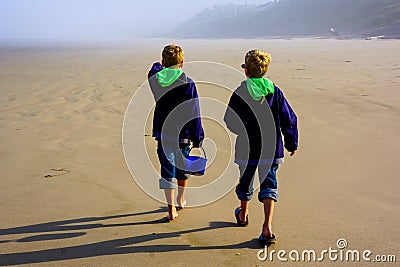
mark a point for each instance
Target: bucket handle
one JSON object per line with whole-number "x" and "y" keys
{"x": 201, "y": 148}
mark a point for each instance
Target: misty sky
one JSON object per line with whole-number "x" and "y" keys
{"x": 96, "y": 19}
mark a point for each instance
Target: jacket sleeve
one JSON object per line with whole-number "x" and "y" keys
{"x": 231, "y": 117}
{"x": 195, "y": 125}
{"x": 288, "y": 123}
{"x": 154, "y": 69}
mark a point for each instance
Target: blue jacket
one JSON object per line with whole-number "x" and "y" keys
{"x": 252, "y": 122}
{"x": 177, "y": 111}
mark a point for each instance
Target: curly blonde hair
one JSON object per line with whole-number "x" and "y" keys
{"x": 256, "y": 63}
{"x": 172, "y": 55}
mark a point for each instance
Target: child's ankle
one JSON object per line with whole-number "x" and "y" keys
{"x": 267, "y": 230}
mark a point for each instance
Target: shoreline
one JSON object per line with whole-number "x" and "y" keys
{"x": 56, "y": 45}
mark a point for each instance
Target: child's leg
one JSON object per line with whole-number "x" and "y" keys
{"x": 181, "y": 202}
{"x": 245, "y": 190}
{"x": 268, "y": 213}
{"x": 168, "y": 180}
{"x": 169, "y": 195}
{"x": 268, "y": 195}
{"x": 181, "y": 175}
{"x": 244, "y": 205}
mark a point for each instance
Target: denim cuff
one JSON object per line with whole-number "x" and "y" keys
{"x": 244, "y": 196}
{"x": 168, "y": 184}
{"x": 268, "y": 193}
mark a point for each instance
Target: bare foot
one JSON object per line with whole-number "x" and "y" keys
{"x": 181, "y": 204}
{"x": 172, "y": 216}
{"x": 243, "y": 215}
{"x": 267, "y": 231}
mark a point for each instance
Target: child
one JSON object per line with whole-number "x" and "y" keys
{"x": 247, "y": 116}
{"x": 176, "y": 122}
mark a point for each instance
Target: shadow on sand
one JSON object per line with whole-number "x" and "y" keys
{"x": 109, "y": 247}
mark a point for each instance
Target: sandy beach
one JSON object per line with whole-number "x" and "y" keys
{"x": 67, "y": 197}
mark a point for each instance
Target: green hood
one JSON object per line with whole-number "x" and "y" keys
{"x": 259, "y": 87}
{"x": 168, "y": 76}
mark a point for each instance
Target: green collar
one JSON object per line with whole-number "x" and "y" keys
{"x": 168, "y": 76}
{"x": 259, "y": 87}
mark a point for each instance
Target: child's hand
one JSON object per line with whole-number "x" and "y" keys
{"x": 197, "y": 144}
{"x": 292, "y": 153}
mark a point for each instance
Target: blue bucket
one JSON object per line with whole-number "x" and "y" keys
{"x": 196, "y": 165}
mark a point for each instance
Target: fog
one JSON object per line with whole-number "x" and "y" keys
{"x": 96, "y": 19}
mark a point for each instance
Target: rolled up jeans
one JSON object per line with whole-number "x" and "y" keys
{"x": 170, "y": 158}
{"x": 268, "y": 182}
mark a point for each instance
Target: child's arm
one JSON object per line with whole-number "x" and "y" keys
{"x": 196, "y": 128}
{"x": 231, "y": 117}
{"x": 288, "y": 123}
{"x": 154, "y": 69}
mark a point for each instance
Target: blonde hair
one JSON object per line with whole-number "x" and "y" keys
{"x": 257, "y": 63}
{"x": 172, "y": 55}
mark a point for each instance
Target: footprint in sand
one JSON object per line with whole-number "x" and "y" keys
{"x": 57, "y": 172}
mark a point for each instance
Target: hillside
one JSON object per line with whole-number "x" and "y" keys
{"x": 294, "y": 18}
